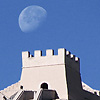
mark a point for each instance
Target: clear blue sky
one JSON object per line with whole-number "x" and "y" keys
{"x": 70, "y": 24}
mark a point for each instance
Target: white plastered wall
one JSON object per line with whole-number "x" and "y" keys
{"x": 54, "y": 76}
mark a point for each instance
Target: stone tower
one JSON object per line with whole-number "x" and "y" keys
{"x": 51, "y": 70}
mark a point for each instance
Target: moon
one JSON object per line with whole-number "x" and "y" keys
{"x": 31, "y": 18}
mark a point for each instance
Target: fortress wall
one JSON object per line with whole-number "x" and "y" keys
{"x": 10, "y": 90}
{"x": 89, "y": 89}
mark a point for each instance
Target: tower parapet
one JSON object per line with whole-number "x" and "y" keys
{"x": 49, "y": 59}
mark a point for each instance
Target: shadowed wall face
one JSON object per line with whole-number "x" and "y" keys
{"x": 73, "y": 77}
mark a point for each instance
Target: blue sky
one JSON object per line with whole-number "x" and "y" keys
{"x": 70, "y": 24}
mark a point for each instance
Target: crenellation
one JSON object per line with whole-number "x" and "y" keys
{"x": 68, "y": 53}
{"x": 49, "y": 52}
{"x": 25, "y": 54}
{"x": 72, "y": 56}
{"x": 61, "y": 52}
{"x": 77, "y": 59}
{"x": 38, "y": 59}
{"x": 37, "y": 53}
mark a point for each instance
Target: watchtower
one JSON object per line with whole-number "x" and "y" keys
{"x": 56, "y": 72}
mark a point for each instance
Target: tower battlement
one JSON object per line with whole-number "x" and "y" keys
{"x": 50, "y": 59}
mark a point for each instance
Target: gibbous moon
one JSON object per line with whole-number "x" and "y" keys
{"x": 31, "y": 18}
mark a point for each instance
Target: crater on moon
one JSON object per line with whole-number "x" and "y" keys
{"x": 31, "y": 17}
